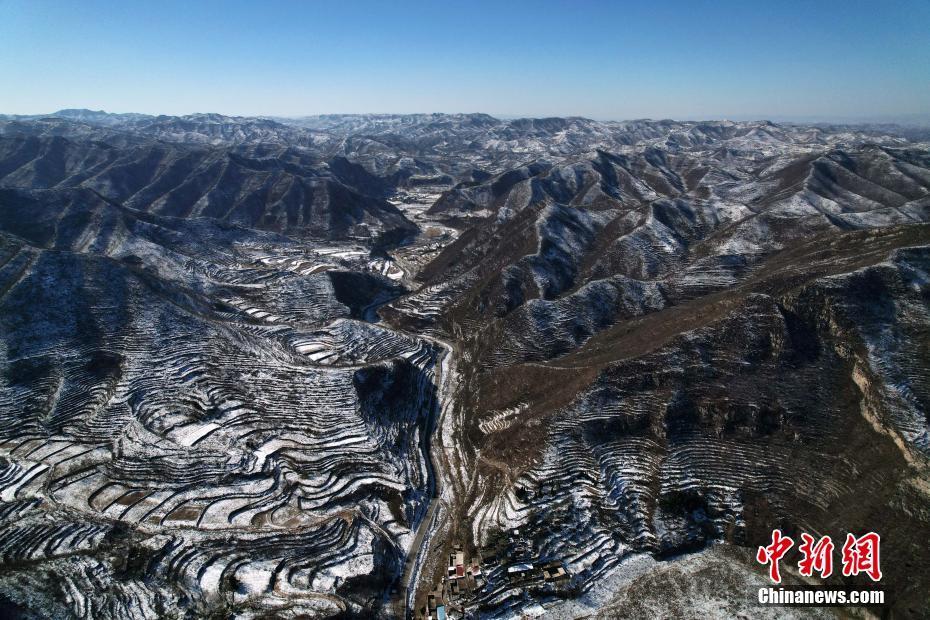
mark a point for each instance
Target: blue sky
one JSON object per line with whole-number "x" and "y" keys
{"x": 819, "y": 59}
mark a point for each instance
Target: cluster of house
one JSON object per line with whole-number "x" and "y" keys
{"x": 527, "y": 572}
{"x": 512, "y": 564}
{"x": 461, "y": 578}
{"x": 524, "y": 564}
{"x": 435, "y": 607}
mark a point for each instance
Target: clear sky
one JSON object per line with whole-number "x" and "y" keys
{"x": 823, "y": 59}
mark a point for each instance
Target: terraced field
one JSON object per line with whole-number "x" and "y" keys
{"x": 212, "y": 410}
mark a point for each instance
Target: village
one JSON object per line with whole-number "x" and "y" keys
{"x": 508, "y": 569}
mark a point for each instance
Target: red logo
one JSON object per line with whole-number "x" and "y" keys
{"x": 860, "y": 555}
{"x": 817, "y": 557}
{"x": 773, "y": 553}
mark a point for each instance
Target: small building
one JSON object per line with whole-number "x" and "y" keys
{"x": 441, "y": 613}
{"x": 519, "y": 572}
{"x": 477, "y": 576}
{"x": 456, "y": 568}
{"x": 554, "y": 572}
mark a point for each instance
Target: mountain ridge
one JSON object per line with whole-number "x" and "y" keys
{"x": 259, "y": 366}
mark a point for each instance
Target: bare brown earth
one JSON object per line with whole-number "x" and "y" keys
{"x": 843, "y": 445}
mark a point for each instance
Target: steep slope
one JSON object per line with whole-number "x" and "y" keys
{"x": 771, "y": 404}
{"x": 191, "y": 420}
{"x": 662, "y": 351}
{"x": 265, "y": 187}
{"x": 595, "y": 241}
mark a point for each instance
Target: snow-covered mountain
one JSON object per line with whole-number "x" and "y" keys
{"x": 260, "y": 367}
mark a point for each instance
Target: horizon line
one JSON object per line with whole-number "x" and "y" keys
{"x": 902, "y": 119}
